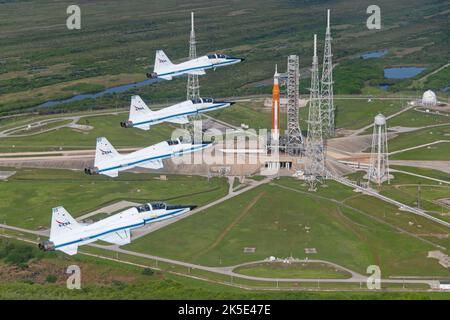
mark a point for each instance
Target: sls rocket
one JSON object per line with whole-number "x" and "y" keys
{"x": 276, "y": 107}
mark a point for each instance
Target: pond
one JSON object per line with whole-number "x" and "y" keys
{"x": 384, "y": 86}
{"x": 79, "y": 97}
{"x": 402, "y": 72}
{"x": 374, "y": 54}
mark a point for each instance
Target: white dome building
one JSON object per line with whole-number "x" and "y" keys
{"x": 429, "y": 98}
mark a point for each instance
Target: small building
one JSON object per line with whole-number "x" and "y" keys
{"x": 429, "y": 98}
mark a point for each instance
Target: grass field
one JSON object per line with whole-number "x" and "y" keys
{"x": 27, "y": 198}
{"x": 350, "y": 114}
{"x": 270, "y": 219}
{"x": 103, "y": 279}
{"x": 293, "y": 270}
{"x": 103, "y": 126}
{"x": 354, "y": 114}
{"x": 416, "y": 119}
{"x": 404, "y": 188}
{"x": 419, "y": 137}
{"x": 439, "y": 151}
{"x": 425, "y": 172}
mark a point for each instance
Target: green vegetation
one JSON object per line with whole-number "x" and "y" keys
{"x": 269, "y": 219}
{"x": 425, "y": 172}
{"x": 439, "y": 151}
{"x": 293, "y": 270}
{"x": 118, "y": 40}
{"x": 350, "y": 114}
{"x": 18, "y": 254}
{"x": 419, "y": 137}
{"x": 252, "y": 114}
{"x": 438, "y": 80}
{"x": 72, "y": 139}
{"x": 31, "y": 193}
{"x": 416, "y": 119}
{"x": 356, "y": 113}
{"x": 103, "y": 279}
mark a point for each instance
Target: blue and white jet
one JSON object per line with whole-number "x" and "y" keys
{"x": 109, "y": 162}
{"x": 165, "y": 69}
{"x": 143, "y": 118}
{"x": 66, "y": 234}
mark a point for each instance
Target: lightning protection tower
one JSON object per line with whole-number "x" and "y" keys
{"x": 379, "y": 163}
{"x": 326, "y": 89}
{"x": 193, "y": 88}
{"x": 315, "y": 163}
{"x": 294, "y": 134}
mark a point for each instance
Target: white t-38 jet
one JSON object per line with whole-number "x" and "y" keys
{"x": 142, "y": 117}
{"x": 165, "y": 69}
{"x": 66, "y": 234}
{"x": 109, "y": 162}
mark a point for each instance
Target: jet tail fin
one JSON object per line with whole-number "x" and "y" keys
{"x": 62, "y": 222}
{"x": 162, "y": 61}
{"x": 104, "y": 151}
{"x": 138, "y": 109}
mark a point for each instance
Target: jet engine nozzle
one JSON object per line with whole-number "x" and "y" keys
{"x": 126, "y": 124}
{"x": 46, "y": 245}
{"x": 91, "y": 170}
{"x": 152, "y": 75}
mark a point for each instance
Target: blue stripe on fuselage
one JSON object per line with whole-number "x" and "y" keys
{"x": 119, "y": 229}
{"x": 150, "y": 159}
{"x": 180, "y": 114}
{"x": 198, "y": 68}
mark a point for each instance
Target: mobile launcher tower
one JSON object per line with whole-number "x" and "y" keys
{"x": 378, "y": 171}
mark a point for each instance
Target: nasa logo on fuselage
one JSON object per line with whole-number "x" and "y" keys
{"x": 105, "y": 152}
{"x": 62, "y": 224}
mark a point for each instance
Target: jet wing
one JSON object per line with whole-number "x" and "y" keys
{"x": 144, "y": 127}
{"x": 179, "y": 120}
{"x": 197, "y": 72}
{"x": 70, "y": 250}
{"x": 112, "y": 173}
{"x": 165, "y": 77}
{"x": 155, "y": 164}
{"x": 119, "y": 237}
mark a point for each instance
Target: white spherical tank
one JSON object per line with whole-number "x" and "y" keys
{"x": 429, "y": 98}
{"x": 380, "y": 120}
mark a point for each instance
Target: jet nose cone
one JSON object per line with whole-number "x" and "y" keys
{"x": 192, "y": 207}
{"x": 231, "y": 102}
{"x": 242, "y": 59}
